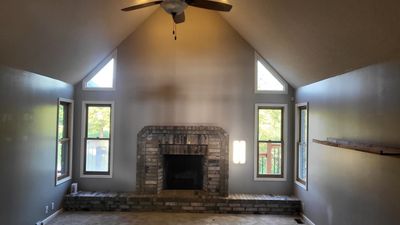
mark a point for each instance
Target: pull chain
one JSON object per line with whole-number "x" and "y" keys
{"x": 174, "y": 31}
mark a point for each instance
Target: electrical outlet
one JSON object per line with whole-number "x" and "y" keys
{"x": 46, "y": 209}
{"x": 52, "y": 206}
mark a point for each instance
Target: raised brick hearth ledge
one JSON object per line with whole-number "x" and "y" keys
{"x": 234, "y": 203}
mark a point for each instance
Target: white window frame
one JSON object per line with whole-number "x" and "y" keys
{"x": 83, "y": 130}
{"x": 296, "y": 138}
{"x": 100, "y": 66}
{"x": 257, "y": 58}
{"x": 71, "y": 137}
{"x": 285, "y": 142}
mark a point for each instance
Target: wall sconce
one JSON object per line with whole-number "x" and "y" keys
{"x": 239, "y": 152}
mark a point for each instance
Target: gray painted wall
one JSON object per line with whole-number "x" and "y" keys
{"x": 205, "y": 77}
{"x": 349, "y": 187}
{"x": 28, "y": 116}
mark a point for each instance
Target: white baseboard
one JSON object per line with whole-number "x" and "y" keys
{"x": 52, "y": 216}
{"x": 306, "y": 219}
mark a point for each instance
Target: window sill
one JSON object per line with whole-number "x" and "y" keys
{"x": 96, "y": 176}
{"x": 282, "y": 179}
{"x": 304, "y": 186}
{"x": 58, "y": 182}
{"x": 285, "y": 92}
{"x": 98, "y": 89}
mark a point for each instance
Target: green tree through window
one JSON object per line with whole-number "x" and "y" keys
{"x": 270, "y": 141}
{"x": 98, "y": 139}
{"x": 63, "y": 141}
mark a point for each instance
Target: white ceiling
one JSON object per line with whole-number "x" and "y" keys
{"x": 305, "y": 41}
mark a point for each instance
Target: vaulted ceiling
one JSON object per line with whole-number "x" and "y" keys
{"x": 311, "y": 40}
{"x": 63, "y": 39}
{"x": 305, "y": 41}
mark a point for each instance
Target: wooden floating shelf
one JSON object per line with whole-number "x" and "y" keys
{"x": 370, "y": 148}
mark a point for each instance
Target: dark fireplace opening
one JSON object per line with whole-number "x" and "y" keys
{"x": 183, "y": 172}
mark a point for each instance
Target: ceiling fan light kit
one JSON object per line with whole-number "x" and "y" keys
{"x": 176, "y": 8}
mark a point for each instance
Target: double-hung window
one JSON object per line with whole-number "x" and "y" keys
{"x": 64, "y": 140}
{"x": 97, "y": 152}
{"x": 270, "y": 146}
{"x": 302, "y": 144}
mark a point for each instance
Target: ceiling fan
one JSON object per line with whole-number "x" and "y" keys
{"x": 176, "y": 7}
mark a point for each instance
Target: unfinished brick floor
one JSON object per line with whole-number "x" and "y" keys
{"x": 159, "y": 218}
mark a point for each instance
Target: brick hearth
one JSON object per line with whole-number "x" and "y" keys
{"x": 234, "y": 203}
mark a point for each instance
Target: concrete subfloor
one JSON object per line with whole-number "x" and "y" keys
{"x": 159, "y": 218}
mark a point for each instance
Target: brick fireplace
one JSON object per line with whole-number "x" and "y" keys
{"x": 183, "y": 158}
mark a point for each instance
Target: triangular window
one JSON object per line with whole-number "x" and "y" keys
{"x": 267, "y": 79}
{"x": 103, "y": 76}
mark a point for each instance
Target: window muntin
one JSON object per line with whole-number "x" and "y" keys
{"x": 302, "y": 145}
{"x": 97, "y": 154}
{"x": 64, "y": 133}
{"x": 270, "y": 146}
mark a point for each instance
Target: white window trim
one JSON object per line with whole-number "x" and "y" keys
{"x": 285, "y": 142}
{"x": 296, "y": 137}
{"x": 257, "y": 57}
{"x": 71, "y": 135}
{"x": 97, "y": 69}
{"x": 83, "y": 130}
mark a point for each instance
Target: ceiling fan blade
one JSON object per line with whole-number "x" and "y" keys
{"x": 210, "y": 4}
{"x": 179, "y": 18}
{"x": 141, "y": 4}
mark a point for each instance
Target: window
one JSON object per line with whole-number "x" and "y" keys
{"x": 302, "y": 144}
{"x": 267, "y": 79}
{"x": 64, "y": 141}
{"x": 97, "y": 152}
{"x": 270, "y": 145}
{"x": 103, "y": 76}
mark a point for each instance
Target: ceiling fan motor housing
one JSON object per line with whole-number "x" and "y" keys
{"x": 174, "y": 6}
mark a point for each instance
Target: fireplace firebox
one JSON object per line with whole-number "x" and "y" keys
{"x": 183, "y": 172}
